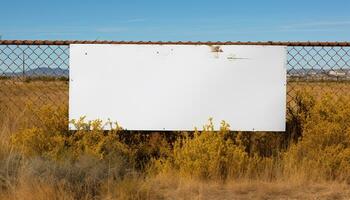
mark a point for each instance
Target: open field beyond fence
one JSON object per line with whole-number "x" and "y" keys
{"x": 18, "y": 94}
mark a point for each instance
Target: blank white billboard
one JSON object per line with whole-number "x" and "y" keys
{"x": 179, "y": 87}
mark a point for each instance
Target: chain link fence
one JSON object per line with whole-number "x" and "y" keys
{"x": 36, "y": 73}
{"x": 33, "y": 76}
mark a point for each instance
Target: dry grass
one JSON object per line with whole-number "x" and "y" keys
{"x": 318, "y": 89}
{"x": 96, "y": 165}
{"x": 166, "y": 188}
{"x": 245, "y": 189}
{"x": 16, "y": 95}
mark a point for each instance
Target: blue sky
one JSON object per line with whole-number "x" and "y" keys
{"x": 205, "y": 20}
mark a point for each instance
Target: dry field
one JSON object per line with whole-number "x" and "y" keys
{"x": 16, "y": 93}
{"x": 319, "y": 88}
{"x": 40, "y": 159}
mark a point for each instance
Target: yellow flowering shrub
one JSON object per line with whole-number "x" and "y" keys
{"x": 208, "y": 154}
{"x": 54, "y": 140}
{"x": 43, "y": 136}
{"x": 315, "y": 146}
{"x": 323, "y": 152}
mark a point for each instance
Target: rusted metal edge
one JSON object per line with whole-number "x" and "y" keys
{"x": 68, "y": 42}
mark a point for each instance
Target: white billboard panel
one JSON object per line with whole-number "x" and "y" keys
{"x": 178, "y": 87}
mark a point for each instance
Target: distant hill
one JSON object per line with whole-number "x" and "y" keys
{"x": 305, "y": 72}
{"x": 42, "y": 71}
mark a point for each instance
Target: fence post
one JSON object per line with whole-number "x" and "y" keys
{"x": 23, "y": 65}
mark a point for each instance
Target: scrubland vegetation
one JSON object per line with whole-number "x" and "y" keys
{"x": 41, "y": 159}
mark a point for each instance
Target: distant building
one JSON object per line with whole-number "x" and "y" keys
{"x": 312, "y": 73}
{"x": 336, "y": 73}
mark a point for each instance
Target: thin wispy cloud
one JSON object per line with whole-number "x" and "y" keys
{"x": 318, "y": 24}
{"x": 135, "y": 20}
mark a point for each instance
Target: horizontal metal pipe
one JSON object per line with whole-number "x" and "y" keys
{"x": 68, "y": 42}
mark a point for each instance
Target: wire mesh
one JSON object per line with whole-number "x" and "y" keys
{"x": 35, "y": 74}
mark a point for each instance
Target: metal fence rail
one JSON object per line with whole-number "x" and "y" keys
{"x": 36, "y": 73}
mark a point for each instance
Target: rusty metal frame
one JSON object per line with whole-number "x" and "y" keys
{"x": 273, "y": 43}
